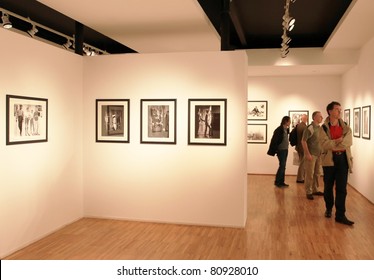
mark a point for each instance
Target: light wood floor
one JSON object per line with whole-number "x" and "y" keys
{"x": 282, "y": 224}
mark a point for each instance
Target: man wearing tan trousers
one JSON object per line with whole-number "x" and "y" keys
{"x": 312, "y": 152}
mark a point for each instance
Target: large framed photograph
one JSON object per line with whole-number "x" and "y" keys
{"x": 295, "y": 116}
{"x": 356, "y": 121}
{"x": 113, "y": 120}
{"x": 257, "y": 133}
{"x": 207, "y": 121}
{"x": 366, "y": 112}
{"x": 257, "y": 110}
{"x": 347, "y": 116}
{"x": 158, "y": 122}
{"x": 26, "y": 119}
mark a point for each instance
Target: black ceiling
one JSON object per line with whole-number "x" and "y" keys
{"x": 257, "y": 24}
{"x": 250, "y": 24}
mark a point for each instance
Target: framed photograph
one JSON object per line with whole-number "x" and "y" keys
{"x": 113, "y": 120}
{"x": 257, "y": 110}
{"x": 207, "y": 121}
{"x": 296, "y": 115}
{"x": 257, "y": 133}
{"x": 347, "y": 116}
{"x": 356, "y": 121}
{"x": 158, "y": 121}
{"x": 366, "y": 116}
{"x": 26, "y": 119}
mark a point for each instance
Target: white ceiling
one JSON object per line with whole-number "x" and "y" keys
{"x": 155, "y": 26}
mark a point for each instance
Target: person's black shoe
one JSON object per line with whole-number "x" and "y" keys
{"x": 328, "y": 213}
{"x": 344, "y": 220}
{"x": 318, "y": 193}
{"x": 281, "y": 185}
{"x": 309, "y": 196}
{"x": 300, "y": 181}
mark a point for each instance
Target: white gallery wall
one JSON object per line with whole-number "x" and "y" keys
{"x": 358, "y": 91}
{"x": 41, "y": 183}
{"x": 284, "y": 93}
{"x": 178, "y": 183}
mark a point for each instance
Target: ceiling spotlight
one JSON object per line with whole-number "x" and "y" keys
{"x": 32, "y": 31}
{"x": 67, "y": 45}
{"x": 286, "y": 39}
{"x": 6, "y": 22}
{"x": 288, "y": 22}
{"x": 291, "y": 23}
{"x": 88, "y": 51}
{"x": 284, "y": 53}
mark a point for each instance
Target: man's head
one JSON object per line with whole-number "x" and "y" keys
{"x": 334, "y": 109}
{"x": 304, "y": 118}
{"x": 317, "y": 117}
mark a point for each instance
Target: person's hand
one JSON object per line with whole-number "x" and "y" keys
{"x": 338, "y": 140}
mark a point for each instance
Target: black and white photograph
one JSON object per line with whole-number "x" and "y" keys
{"x": 347, "y": 116}
{"x": 295, "y": 116}
{"x": 26, "y": 119}
{"x": 257, "y": 110}
{"x": 158, "y": 121}
{"x": 356, "y": 121}
{"x": 207, "y": 121}
{"x": 257, "y": 133}
{"x": 366, "y": 115}
{"x": 112, "y": 120}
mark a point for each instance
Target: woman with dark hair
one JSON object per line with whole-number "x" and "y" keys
{"x": 279, "y": 146}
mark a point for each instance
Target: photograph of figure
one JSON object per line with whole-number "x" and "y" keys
{"x": 26, "y": 120}
{"x": 112, "y": 120}
{"x": 158, "y": 121}
{"x": 207, "y": 121}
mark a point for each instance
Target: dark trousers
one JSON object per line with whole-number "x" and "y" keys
{"x": 282, "y": 157}
{"x": 337, "y": 174}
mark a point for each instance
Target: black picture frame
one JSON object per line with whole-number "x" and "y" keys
{"x": 207, "y": 121}
{"x": 158, "y": 121}
{"x": 257, "y": 133}
{"x": 113, "y": 120}
{"x": 356, "y": 122}
{"x": 26, "y": 119}
{"x": 347, "y": 116}
{"x": 366, "y": 122}
{"x": 257, "y": 110}
{"x": 295, "y": 116}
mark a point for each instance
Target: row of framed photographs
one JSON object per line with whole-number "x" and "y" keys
{"x": 361, "y": 121}
{"x": 257, "y": 132}
{"x": 27, "y": 120}
{"x": 207, "y": 121}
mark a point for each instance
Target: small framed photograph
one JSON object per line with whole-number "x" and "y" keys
{"x": 347, "y": 116}
{"x": 26, "y": 119}
{"x": 356, "y": 121}
{"x": 207, "y": 121}
{"x": 366, "y": 125}
{"x": 257, "y": 110}
{"x": 113, "y": 120}
{"x": 257, "y": 133}
{"x": 158, "y": 121}
{"x": 295, "y": 116}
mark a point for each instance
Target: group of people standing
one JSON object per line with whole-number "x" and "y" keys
{"x": 27, "y": 120}
{"x": 327, "y": 145}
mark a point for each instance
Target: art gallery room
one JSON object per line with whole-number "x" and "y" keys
{"x": 97, "y": 174}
